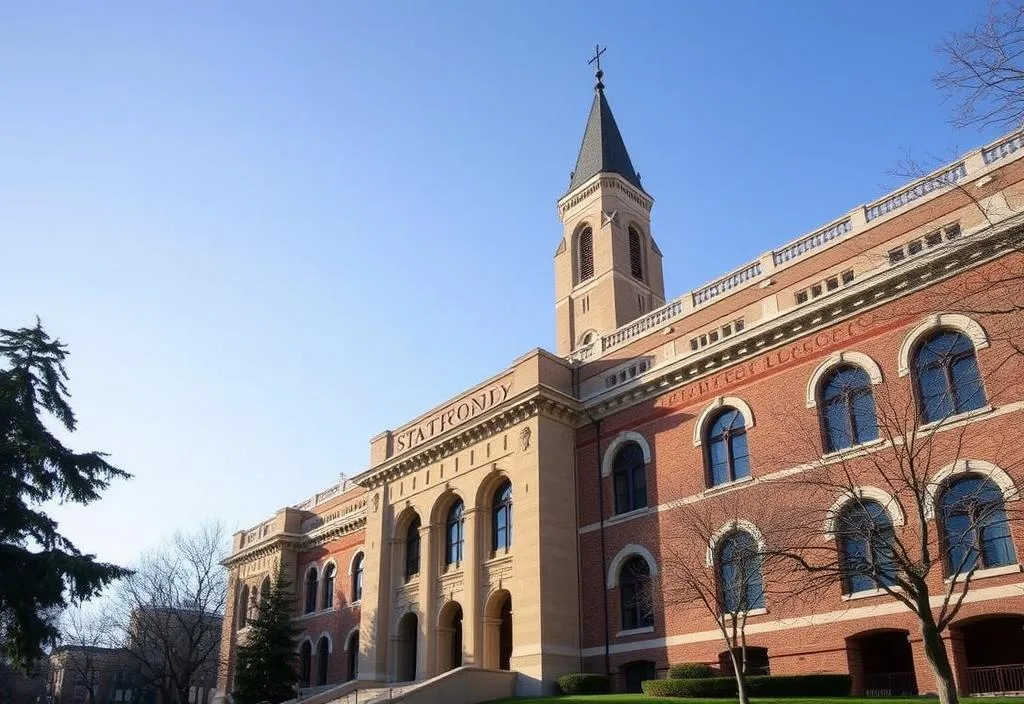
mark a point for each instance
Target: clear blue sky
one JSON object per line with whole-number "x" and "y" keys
{"x": 270, "y": 230}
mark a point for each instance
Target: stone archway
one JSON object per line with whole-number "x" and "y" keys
{"x": 449, "y": 641}
{"x": 991, "y": 654}
{"x": 498, "y": 631}
{"x": 408, "y": 633}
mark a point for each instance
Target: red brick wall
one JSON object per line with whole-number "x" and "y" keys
{"x": 785, "y": 435}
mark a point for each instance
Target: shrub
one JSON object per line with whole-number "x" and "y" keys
{"x": 690, "y": 670}
{"x": 584, "y": 683}
{"x": 757, "y": 686}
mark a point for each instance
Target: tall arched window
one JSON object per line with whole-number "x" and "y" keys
{"x": 847, "y": 408}
{"x": 948, "y": 380}
{"x": 629, "y": 475}
{"x": 353, "y": 655}
{"x": 585, "y": 246}
{"x": 454, "y": 534}
{"x": 328, "y": 586}
{"x": 636, "y": 266}
{"x": 322, "y": 657}
{"x": 740, "y": 585}
{"x": 412, "y": 549}
{"x": 727, "y": 456}
{"x": 305, "y": 663}
{"x": 864, "y": 531}
{"x": 310, "y": 590}
{"x": 242, "y": 616}
{"x": 501, "y": 518}
{"x": 635, "y": 594}
{"x": 357, "y": 578}
{"x": 264, "y": 593}
{"x": 975, "y": 532}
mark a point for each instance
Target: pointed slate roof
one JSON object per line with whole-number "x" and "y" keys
{"x": 602, "y": 150}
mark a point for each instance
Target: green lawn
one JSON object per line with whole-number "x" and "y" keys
{"x": 642, "y": 699}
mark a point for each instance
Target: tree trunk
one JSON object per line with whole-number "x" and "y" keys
{"x": 741, "y": 677}
{"x": 938, "y": 658}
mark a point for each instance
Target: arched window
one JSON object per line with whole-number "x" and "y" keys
{"x": 863, "y": 529}
{"x": 847, "y": 408}
{"x": 948, "y": 380}
{"x": 586, "y": 254}
{"x": 727, "y": 456}
{"x": 501, "y": 518}
{"x": 264, "y": 593}
{"x": 357, "y": 578}
{"x": 412, "y": 549}
{"x": 629, "y": 475}
{"x": 636, "y": 266}
{"x": 454, "y": 534}
{"x": 353, "y": 654}
{"x": 242, "y": 616}
{"x": 635, "y": 594}
{"x": 739, "y": 573}
{"x": 975, "y": 532}
{"x": 305, "y": 663}
{"x": 310, "y": 590}
{"x": 328, "y": 586}
{"x": 322, "y": 654}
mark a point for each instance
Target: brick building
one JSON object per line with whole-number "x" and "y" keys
{"x": 778, "y": 370}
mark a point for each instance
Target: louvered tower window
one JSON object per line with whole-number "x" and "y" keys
{"x": 586, "y": 246}
{"x": 635, "y": 262}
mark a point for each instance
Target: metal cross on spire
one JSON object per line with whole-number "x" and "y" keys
{"x": 599, "y": 74}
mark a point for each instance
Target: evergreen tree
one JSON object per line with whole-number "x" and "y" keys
{"x": 265, "y": 663}
{"x": 41, "y": 571}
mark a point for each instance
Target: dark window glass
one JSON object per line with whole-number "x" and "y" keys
{"x": 726, "y": 455}
{"x": 412, "y": 549}
{"x": 311, "y": 591}
{"x": 847, "y": 277}
{"x": 501, "y": 518}
{"x": 896, "y": 255}
{"x": 357, "y": 578}
{"x": 933, "y": 238}
{"x": 975, "y": 532}
{"x": 305, "y": 663}
{"x": 948, "y": 380}
{"x": 915, "y": 247}
{"x": 739, "y": 325}
{"x": 739, "y": 574}
{"x": 801, "y": 296}
{"x": 242, "y": 617}
{"x": 865, "y": 537}
{"x": 586, "y": 254}
{"x": 321, "y": 662}
{"x": 328, "y": 580}
{"x": 454, "y": 533}
{"x": 815, "y": 290}
{"x": 847, "y": 409}
{"x": 952, "y": 231}
{"x": 634, "y": 594}
{"x": 832, "y": 283}
{"x": 629, "y": 477}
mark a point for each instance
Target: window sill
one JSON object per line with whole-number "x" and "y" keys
{"x": 990, "y": 572}
{"x": 959, "y": 417}
{"x": 635, "y": 632}
{"x": 868, "y": 593}
{"x": 635, "y": 513}
{"x": 753, "y": 612}
{"x": 721, "y": 488}
{"x": 854, "y": 450}
{"x": 498, "y": 557}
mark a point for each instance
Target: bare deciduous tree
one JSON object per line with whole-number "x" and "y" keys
{"x": 901, "y": 506}
{"x": 715, "y": 558}
{"x": 171, "y": 613}
{"x": 984, "y": 71}
{"x": 88, "y": 640}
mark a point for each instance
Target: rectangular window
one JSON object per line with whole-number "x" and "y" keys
{"x": 933, "y": 238}
{"x": 609, "y": 382}
{"x": 915, "y": 247}
{"x": 703, "y": 340}
{"x": 952, "y": 231}
{"x": 815, "y": 290}
{"x": 739, "y": 325}
{"x": 832, "y": 283}
{"x": 847, "y": 276}
{"x": 693, "y": 344}
{"x": 713, "y": 336}
{"x": 726, "y": 330}
{"x": 801, "y": 296}
{"x": 632, "y": 371}
{"x": 896, "y": 255}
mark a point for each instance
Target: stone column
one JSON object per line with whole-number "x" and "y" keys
{"x": 472, "y": 555}
{"x": 426, "y": 602}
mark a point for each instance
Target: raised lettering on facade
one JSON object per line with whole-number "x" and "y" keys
{"x": 452, "y": 416}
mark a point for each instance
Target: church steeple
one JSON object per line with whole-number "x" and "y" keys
{"x": 607, "y": 267}
{"x": 602, "y": 149}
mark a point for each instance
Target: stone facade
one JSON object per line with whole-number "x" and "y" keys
{"x": 412, "y": 567}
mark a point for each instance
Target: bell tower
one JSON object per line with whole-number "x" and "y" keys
{"x": 607, "y": 267}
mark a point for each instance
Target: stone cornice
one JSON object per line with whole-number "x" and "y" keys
{"x": 937, "y": 265}
{"x": 271, "y": 545}
{"x": 539, "y": 400}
